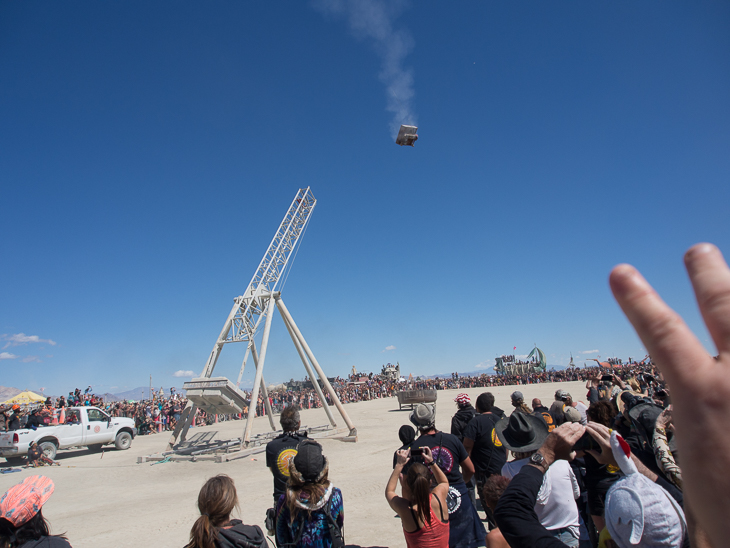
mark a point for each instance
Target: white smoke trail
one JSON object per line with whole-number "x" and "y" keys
{"x": 372, "y": 20}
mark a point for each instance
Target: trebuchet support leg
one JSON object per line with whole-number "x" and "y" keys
{"x": 264, "y": 391}
{"x": 287, "y": 317}
{"x": 311, "y": 374}
{"x": 259, "y": 375}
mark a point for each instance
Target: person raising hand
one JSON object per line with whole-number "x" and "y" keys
{"x": 699, "y": 382}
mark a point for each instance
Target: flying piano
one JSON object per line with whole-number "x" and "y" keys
{"x": 407, "y": 136}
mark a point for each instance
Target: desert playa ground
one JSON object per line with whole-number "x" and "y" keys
{"x": 111, "y": 500}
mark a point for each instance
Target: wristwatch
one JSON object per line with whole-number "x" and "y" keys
{"x": 539, "y": 460}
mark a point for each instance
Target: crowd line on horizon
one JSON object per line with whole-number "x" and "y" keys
{"x": 162, "y": 412}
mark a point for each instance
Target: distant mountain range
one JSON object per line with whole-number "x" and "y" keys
{"x": 7, "y": 392}
{"x": 139, "y": 393}
{"x": 143, "y": 392}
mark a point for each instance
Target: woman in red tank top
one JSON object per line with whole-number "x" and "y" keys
{"x": 423, "y": 511}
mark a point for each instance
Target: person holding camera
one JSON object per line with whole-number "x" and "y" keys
{"x": 424, "y": 513}
{"x": 599, "y": 477}
{"x": 555, "y": 503}
{"x": 639, "y": 512}
{"x": 465, "y": 527}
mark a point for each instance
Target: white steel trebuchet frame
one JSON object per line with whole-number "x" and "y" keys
{"x": 256, "y": 304}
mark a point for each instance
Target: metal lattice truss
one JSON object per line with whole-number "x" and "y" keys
{"x": 258, "y": 302}
{"x": 252, "y": 304}
{"x": 250, "y": 308}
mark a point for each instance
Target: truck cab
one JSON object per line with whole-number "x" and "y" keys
{"x": 84, "y": 426}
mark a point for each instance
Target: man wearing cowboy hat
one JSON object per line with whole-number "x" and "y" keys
{"x": 555, "y": 505}
{"x": 465, "y": 527}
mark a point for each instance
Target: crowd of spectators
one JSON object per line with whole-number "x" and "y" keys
{"x": 162, "y": 412}
{"x": 612, "y": 465}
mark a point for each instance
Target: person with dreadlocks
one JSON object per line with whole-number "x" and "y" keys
{"x": 518, "y": 402}
{"x": 310, "y": 514}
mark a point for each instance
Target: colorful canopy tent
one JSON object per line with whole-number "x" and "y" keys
{"x": 24, "y": 398}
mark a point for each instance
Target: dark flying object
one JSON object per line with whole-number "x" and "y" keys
{"x": 407, "y": 136}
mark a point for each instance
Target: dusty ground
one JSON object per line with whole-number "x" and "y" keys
{"x": 112, "y": 501}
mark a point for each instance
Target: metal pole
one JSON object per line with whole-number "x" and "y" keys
{"x": 181, "y": 428}
{"x": 311, "y": 374}
{"x": 285, "y": 313}
{"x": 264, "y": 392}
{"x": 243, "y": 364}
{"x": 259, "y": 373}
{"x": 218, "y": 346}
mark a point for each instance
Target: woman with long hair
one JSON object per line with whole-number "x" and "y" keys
{"x": 215, "y": 528}
{"x": 21, "y": 518}
{"x": 310, "y": 513}
{"x": 423, "y": 511}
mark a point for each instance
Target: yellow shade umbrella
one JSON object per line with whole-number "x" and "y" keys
{"x": 25, "y": 398}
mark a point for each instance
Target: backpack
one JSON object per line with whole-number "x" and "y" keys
{"x": 336, "y": 534}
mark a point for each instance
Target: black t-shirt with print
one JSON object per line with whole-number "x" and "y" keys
{"x": 279, "y": 452}
{"x": 488, "y": 455}
{"x": 448, "y": 452}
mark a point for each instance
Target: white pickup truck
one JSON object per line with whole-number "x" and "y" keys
{"x": 85, "y": 426}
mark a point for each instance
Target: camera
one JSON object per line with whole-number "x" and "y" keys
{"x": 607, "y": 378}
{"x": 586, "y": 442}
{"x": 631, "y": 400}
{"x": 416, "y": 451}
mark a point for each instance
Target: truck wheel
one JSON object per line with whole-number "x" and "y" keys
{"x": 123, "y": 441}
{"x": 96, "y": 447}
{"x": 49, "y": 449}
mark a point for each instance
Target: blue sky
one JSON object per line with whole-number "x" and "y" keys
{"x": 149, "y": 150}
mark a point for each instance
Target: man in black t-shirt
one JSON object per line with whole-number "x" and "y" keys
{"x": 483, "y": 445}
{"x": 465, "y": 527}
{"x": 283, "y": 448}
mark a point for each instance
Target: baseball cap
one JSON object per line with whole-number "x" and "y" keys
{"x": 309, "y": 461}
{"x": 559, "y": 394}
{"x": 517, "y": 395}
{"x": 24, "y": 500}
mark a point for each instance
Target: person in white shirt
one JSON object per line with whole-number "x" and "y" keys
{"x": 555, "y": 506}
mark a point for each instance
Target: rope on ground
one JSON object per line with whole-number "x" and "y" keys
{"x": 166, "y": 459}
